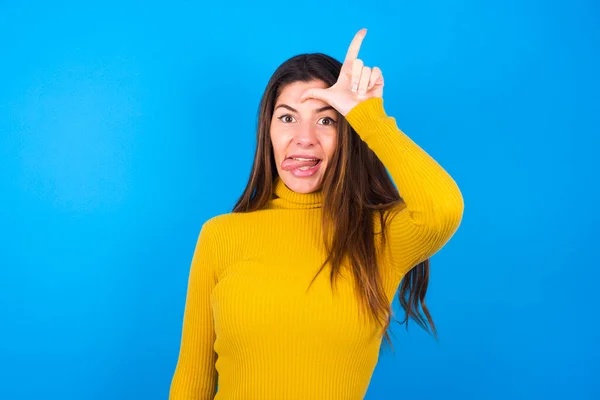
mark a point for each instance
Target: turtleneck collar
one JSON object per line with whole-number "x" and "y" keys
{"x": 285, "y": 197}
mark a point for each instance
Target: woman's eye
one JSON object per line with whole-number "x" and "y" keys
{"x": 332, "y": 121}
{"x": 283, "y": 117}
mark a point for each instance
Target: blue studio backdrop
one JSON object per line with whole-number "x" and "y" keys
{"x": 125, "y": 125}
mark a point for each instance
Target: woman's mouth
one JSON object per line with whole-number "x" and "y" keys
{"x": 301, "y": 167}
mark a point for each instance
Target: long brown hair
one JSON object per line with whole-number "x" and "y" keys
{"x": 356, "y": 186}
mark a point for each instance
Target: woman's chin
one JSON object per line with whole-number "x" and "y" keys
{"x": 302, "y": 184}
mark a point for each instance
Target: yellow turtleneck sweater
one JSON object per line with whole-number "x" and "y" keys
{"x": 249, "y": 321}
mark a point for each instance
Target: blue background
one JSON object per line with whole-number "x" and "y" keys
{"x": 125, "y": 125}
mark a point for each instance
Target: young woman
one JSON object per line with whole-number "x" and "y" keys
{"x": 289, "y": 296}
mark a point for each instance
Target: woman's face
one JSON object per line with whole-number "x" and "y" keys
{"x": 301, "y": 134}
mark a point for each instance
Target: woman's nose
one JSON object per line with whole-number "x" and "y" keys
{"x": 306, "y": 134}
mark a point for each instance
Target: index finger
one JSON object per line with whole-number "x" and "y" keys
{"x": 352, "y": 53}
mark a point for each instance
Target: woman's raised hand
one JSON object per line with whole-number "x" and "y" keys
{"x": 355, "y": 83}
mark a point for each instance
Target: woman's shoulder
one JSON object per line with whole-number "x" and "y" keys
{"x": 229, "y": 233}
{"x": 219, "y": 222}
{"x": 230, "y": 222}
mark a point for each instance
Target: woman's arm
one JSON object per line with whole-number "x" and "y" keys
{"x": 195, "y": 376}
{"x": 434, "y": 203}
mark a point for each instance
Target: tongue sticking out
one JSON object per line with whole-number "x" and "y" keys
{"x": 291, "y": 164}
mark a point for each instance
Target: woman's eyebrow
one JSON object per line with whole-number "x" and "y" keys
{"x": 318, "y": 110}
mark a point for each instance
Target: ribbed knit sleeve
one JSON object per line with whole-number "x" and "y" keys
{"x": 434, "y": 204}
{"x": 195, "y": 375}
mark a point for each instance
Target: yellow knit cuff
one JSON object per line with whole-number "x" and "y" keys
{"x": 363, "y": 114}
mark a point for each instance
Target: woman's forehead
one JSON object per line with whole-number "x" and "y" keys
{"x": 291, "y": 94}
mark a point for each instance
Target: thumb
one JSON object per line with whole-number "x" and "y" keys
{"x": 315, "y": 93}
